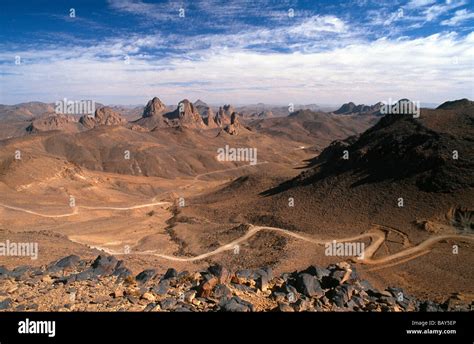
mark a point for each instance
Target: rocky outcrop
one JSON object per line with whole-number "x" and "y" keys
{"x": 361, "y": 109}
{"x": 154, "y": 107}
{"x": 202, "y": 108}
{"x": 156, "y": 116}
{"x": 206, "y": 113}
{"x": 186, "y": 115}
{"x": 223, "y": 116}
{"x": 345, "y": 108}
{"x": 106, "y": 284}
{"x": 53, "y": 122}
{"x": 103, "y": 116}
{"x": 235, "y": 127}
{"x": 209, "y": 120}
{"x": 153, "y": 115}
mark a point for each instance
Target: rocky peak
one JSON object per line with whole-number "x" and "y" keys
{"x": 209, "y": 118}
{"x": 186, "y": 115}
{"x": 206, "y": 113}
{"x": 234, "y": 127}
{"x": 233, "y": 119}
{"x": 210, "y": 122}
{"x": 154, "y": 107}
{"x": 345, "y": 108}
{"x": 199, "y": 103}
{"x": 351, "y": 108}
{"x": 229, "y": 109}
{"x": 456, "y": 104}
{"x": 107, "y": 116}
{"x": 187, "y": 110}
{"x": 222, "y": 117}
{"x": 103, "y": 116}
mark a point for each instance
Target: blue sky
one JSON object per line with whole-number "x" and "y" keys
{"x": 280, "y": 52}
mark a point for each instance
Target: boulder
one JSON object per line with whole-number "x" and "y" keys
{"x": 236, "y": 304}
{"x": 3, "y": 272}
{"x": 222, "y": 291}
{"x": 309, "y": 285}
{"x": 68, "y": 261}
{"x": 224, "y": 276}
{"x": 5, "y": 304}
{"x": 205, "y": 290}
{"x": 284, "y": 307}
{"x": 162, "y": 287}
{"x": 18, "y": 272}
{"x": 104, "y": 265}
{"x": 168, "y": 303}
{"x": 318, "y": 272}
{"x": 170, "y": 273}
{"x": 148, "y": 296}
{"x": 145, "y": 275}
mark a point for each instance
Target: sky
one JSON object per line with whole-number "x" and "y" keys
{"x": 236, "y": 51}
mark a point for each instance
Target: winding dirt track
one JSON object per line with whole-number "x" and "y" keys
{"x": 74, "y": 212}
{"x": 76, "y": 209}
{"x": 376, "y": 235}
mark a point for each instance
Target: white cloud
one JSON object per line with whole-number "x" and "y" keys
{"x": 314, "y": 33}
{"x": 211, "y": 11}
{"x": 419, "y": 3}
{"x": 459, "y": 16}
{"x": 138, "y": 7}
{"x": 415, "y": 14}
{"x": 435, "y": 11}
{"x": 316, "y": 24}
{"x": 430, "y": 69}
{"x": 322, "y": 58}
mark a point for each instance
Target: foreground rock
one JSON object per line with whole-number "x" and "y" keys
{"x": 105, "y": 284}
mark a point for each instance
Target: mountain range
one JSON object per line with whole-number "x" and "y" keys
{"x": 155, "y": 184}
